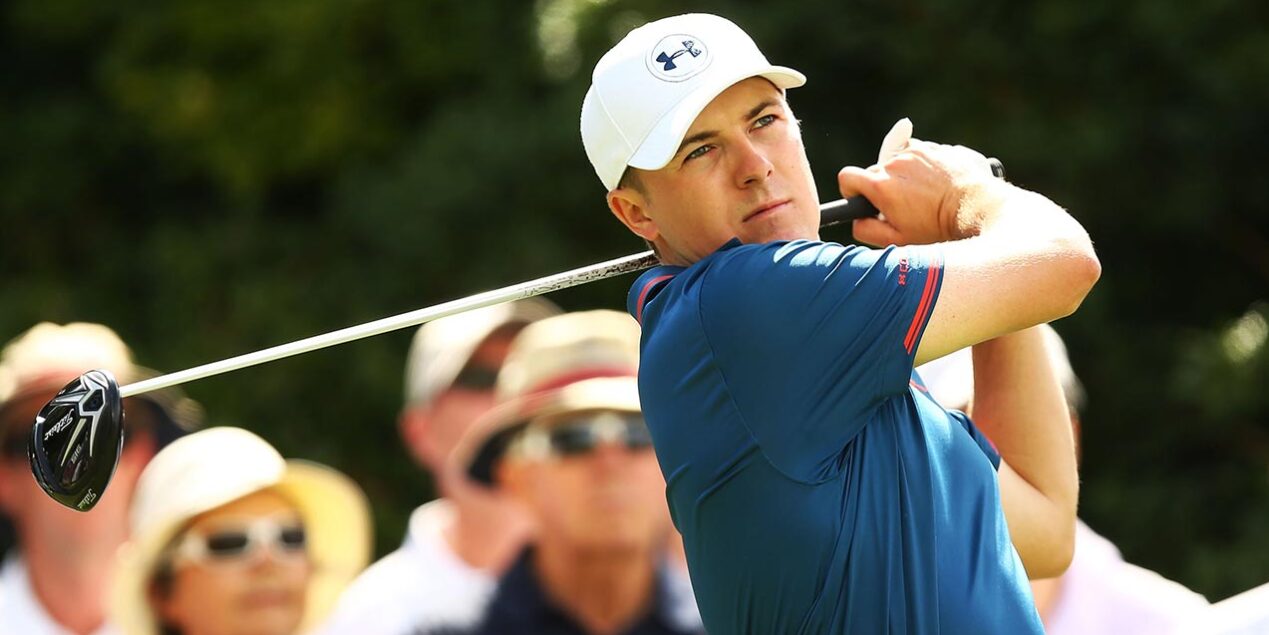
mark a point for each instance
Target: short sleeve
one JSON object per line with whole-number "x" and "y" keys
{"x": 812, "y": 337}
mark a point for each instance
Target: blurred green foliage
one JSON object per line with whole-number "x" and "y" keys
{"x": 211, "y": 177}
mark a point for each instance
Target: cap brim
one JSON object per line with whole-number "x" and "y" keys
{"x": 337, "y": 518}
{"x": 662, "y": 143}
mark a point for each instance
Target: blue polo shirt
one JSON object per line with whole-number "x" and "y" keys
{"x": 818, "y": 488}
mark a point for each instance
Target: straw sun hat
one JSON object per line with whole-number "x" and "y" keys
{"x": 205, "y": 470}
{"x": 569, "y": 363}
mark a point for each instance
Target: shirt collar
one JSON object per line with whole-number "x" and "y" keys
{"x": 652, "y": 281}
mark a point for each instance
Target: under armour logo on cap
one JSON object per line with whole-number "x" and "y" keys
{"x": 678, "y": 57}
{"x": 668, "y": 60}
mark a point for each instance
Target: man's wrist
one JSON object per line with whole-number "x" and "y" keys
{"x": 981, "y": 204}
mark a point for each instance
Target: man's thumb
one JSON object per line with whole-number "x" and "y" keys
{"x": 896, "y": 140}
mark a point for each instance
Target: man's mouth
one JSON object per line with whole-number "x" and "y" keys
{"x": 765, "y": 210}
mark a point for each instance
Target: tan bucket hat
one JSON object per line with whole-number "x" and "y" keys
{"x": 569, "y": 363}
{"x": 214, "y": 467}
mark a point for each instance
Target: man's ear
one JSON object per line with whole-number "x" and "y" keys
{"x": 510, "y": 479}
{"x": 413, "y": 424}
{"x": 630, "y": 207}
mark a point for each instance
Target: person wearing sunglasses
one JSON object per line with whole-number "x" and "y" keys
{"x": 231, "y": 539}
{"x": 568, "y": 442}
{"x": 55, "y": 581}
{"x": 456, "y": 545}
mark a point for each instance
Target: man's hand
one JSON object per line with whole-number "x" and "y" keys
{"x": 926, "y": 192}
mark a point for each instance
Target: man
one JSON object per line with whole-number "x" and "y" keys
{"x": 457, "y": 545}
{"x": 569, "y": 443}
{"x": 1099, "y": 593}
{"x": 56, "y": 581}
{"x": 816, "y": 491}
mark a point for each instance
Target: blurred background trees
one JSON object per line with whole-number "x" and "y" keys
{"x": 214, "y": 176}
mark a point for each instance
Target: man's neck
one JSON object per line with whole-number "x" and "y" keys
{"x": 487, "y": 532}
{"x": 605, "y": 593}
{"x": 70, "y": 584}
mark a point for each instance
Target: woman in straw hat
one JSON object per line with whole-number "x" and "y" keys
{"x": 230, "y": 539}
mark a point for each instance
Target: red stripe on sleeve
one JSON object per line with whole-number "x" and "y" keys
{"x": 923, "y": 309}
{"x": 644, "y": 294}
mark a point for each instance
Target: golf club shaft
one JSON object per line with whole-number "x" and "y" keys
{"x": 831, "y": 213}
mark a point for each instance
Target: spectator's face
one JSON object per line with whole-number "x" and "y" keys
{"x": 433, "y": 431}
{"x": 220, "y": 587}
{"x": 741, "y": 157}
{"x": 38, "y": 517}
{"x": 610, "y": 497}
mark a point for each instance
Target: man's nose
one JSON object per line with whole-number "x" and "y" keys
{"x": 752, "y": 166}
{"x": 610, "y": 455}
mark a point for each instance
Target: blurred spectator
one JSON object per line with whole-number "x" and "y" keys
{"x": 230, "y": 539}
{"x": 457, "y": 545}
{"x": 56, "y": 580}
{"x": 1099, "y": 593}
{"x": 569, "y": 442}
{"x": 1244, "y": 614}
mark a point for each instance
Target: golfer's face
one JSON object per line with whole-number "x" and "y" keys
{"x": 740, "y": 172}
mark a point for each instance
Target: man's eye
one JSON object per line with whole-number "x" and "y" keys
{"x": 699, "y": 152}
{"x": 764, "y": 121}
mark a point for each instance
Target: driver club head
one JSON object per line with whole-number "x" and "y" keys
{"x": 76, "y": 440}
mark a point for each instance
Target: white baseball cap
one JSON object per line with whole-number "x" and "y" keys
{"x": 48, "y": 355}
{"x": 648, "y": 89}
{"x": 442, "y": 347}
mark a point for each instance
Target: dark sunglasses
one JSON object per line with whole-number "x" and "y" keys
{"x": 581, "y": 434}
{"x": 234, "y": 543}
{"x": 13, "y": 446}
{"x": 476, "y": 377}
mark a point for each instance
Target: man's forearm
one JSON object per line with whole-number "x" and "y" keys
{"x": 1019, "y": 405}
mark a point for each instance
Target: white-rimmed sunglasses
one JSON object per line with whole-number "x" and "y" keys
{"x": 285, "y": 536}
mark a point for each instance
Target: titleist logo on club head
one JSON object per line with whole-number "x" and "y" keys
{"x": 87, "y": 500}
{"x": 678, "y": 57}
{"x": 61, "y": 425}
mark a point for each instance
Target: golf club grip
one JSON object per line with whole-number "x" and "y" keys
{"x": 848, "y": 209}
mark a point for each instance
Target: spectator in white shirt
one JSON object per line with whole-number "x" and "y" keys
{"x": 1244, "y": 614}
{"x": 56, "y": 580}
{"x": 456, "y": 546}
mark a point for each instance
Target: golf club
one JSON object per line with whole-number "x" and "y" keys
{"x": 77, "y": 437}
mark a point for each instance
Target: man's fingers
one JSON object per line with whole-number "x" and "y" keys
{"x": 853, "y": 181}
{"x": 875, "y": 231}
